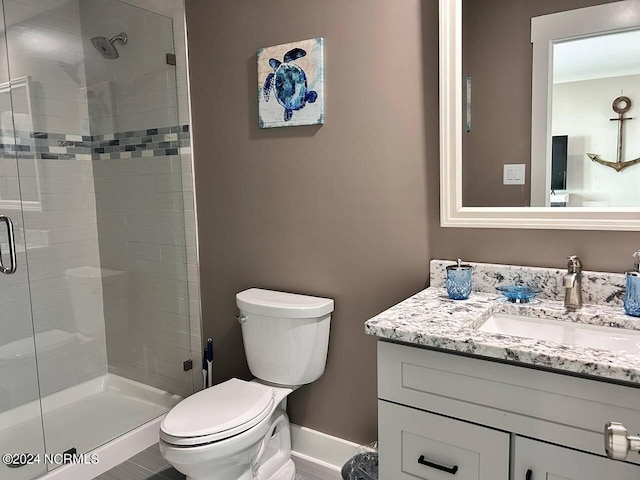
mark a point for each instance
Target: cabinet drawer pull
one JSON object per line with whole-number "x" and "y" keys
{"x": 528, "y": 475}
{"x": 427, "y": 463}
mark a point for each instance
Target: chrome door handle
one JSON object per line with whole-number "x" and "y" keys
{"x": 12, "y": 248}
{"x": 617, "y": 441}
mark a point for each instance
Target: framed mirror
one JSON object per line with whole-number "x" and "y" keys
{"x": 537, "y": 121}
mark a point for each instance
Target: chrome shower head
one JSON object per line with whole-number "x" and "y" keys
{"x": 106, "y": 47}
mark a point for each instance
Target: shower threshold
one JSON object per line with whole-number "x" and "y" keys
{"x": 110, "y": 416}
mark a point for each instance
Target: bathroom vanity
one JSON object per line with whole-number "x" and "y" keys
{"x": 457, "y": 400}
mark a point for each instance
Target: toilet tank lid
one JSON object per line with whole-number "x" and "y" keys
{"x": 281, "y": 304}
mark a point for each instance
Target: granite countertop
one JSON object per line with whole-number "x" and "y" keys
{"x": 431, "y": 319}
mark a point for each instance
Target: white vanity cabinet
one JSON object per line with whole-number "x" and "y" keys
{"x": 534, "y": 460}
{"x": 495, "y": 421}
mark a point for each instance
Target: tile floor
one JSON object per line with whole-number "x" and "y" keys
{"x": 149, "y": 465}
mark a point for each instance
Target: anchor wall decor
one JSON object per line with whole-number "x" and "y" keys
{"x": 620, "y": 105}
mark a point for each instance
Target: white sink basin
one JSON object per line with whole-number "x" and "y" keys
{"x": 606, "y": 338}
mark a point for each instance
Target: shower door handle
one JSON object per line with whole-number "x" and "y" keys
{"x": 12, "y": 248}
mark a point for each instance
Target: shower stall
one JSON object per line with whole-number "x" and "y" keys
{"x": 98, "y": 274}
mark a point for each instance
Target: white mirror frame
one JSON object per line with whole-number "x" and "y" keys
{"x": 452, "y": 213}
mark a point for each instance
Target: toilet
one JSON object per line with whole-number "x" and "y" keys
{"x": 239, "y": 430}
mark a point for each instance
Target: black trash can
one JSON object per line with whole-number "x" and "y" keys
{"x": 363, "y": 466}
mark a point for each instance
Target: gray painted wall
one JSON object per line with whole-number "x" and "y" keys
{"x": 348, "y": 210}
{"x": 338, "y": 210}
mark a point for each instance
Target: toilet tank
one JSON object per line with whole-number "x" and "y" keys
{"x": 285, "y": 335}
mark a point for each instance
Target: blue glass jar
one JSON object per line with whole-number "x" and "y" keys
{"x": 459, "y": 281}
{"x": 632, "y": 295}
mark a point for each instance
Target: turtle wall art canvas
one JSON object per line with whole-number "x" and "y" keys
{"x": 291, "y": 84}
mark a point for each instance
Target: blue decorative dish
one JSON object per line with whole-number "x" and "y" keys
{"x": 518, "y": 293}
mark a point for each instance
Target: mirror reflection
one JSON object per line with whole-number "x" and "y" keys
{"x": 551, "y": 104}
{"x": 595, "y": 132}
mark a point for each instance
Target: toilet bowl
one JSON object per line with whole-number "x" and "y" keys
{"x": 239, "y": 430}
{"x": 222, "y": 429}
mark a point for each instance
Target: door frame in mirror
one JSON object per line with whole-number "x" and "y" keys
{"x": 452, "y": 212}
{"x": 547, "y": 30}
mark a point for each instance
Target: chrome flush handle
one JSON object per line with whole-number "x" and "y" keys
{"x": 617, "y": 441}
{"x": 241, "y": 318}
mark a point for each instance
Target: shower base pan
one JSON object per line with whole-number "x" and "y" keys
{"x": 109, "y": 416}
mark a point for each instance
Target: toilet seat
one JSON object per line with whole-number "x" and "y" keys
{"x": 218, "y": 413}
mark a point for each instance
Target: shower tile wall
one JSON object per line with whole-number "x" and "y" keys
{"x": 144, "y": 199}
{"x": 45, "y": 45}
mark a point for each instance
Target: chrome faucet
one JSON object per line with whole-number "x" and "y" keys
{"x": 572, "y": 282}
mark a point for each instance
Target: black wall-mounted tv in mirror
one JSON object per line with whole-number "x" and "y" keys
{"x": 559, "y": 162}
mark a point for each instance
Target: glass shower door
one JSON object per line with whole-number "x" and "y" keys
{"x": 21, "y": 429}
{"x": 94, "y": 103}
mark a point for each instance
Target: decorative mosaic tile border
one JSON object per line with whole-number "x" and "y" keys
{"x": 56, "y": 146}
{"x": 141, "y": 143}
{"x": 151, "y": 142}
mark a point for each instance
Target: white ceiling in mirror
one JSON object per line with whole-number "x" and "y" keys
{"x": 601, "y": 56}
{"x": 452, "y": 211}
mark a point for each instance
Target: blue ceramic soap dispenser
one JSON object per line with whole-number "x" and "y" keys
{"x": 632, "y": 295}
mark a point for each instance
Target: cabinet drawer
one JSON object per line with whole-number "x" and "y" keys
{"x": 538, "y": 460}
{"x": 416, "y": 444}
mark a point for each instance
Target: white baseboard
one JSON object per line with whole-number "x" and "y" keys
{"x": 317, "y": 447}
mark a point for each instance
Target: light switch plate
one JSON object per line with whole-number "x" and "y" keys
{"x": 513, "y": 174}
